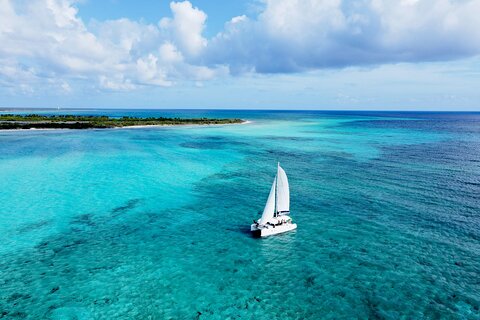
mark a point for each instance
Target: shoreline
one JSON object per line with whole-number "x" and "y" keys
{"x": 130, "y": 127}
{"x": 179, "y": 125}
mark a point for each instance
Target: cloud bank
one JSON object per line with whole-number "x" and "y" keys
{"x": 46, "y": 43}
{"x": 298, "y": 35}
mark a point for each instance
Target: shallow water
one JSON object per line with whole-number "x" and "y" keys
{"x": 153, "y": 222}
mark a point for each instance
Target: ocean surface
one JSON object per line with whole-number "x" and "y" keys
{"x": 153, "y": 223}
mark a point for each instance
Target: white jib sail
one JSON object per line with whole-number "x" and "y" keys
{"x": 283, "y": 191}
{"x": 269, "y": 209}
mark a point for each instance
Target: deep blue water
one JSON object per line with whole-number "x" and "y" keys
{"x": 153, "y": 222}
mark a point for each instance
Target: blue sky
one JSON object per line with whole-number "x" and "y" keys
{"x": 219, "y": 11}
{"x": 268, "y": 54}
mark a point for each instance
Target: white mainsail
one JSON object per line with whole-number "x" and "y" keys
{"x": 269, "y": 209}
{"x": 283, "y": 192}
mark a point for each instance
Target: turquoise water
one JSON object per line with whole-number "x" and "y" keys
{"x": 153, "y": 223}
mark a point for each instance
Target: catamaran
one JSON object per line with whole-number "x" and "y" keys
{"x": 275, "y": 218}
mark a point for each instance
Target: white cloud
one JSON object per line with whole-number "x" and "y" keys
{"x": 299, "y": 35}
{"x": 149, "y": 72}
{"x": 46, "y": 39}
{"x": 169, "y": 53}
{"x": 116, "y": 83}
{"x": 186, "y": 27}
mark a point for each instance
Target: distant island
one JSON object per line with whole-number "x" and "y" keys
{"x": 35, "y": 121}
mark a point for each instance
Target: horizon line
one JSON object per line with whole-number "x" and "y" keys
{"x": 6, "y": 109}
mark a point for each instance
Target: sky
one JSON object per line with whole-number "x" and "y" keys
{"x": 252, "y": 54}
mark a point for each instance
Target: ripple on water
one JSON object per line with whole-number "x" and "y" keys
{"x": 382, "y": 235}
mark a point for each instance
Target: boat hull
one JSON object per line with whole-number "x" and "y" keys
{"x": 265, "y": 231}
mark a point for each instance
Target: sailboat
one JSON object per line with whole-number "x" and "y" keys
{"x": 275, "y": 218}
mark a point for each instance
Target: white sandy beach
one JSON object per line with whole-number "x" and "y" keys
{"x": 131, "y": 127}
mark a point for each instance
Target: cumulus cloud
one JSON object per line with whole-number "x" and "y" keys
{"x": 45, "y": 41}
{"x": 186, "y": 27}
{"x": 298, "y": 35}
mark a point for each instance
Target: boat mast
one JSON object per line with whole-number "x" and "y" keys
{"x": 276, "y": 192}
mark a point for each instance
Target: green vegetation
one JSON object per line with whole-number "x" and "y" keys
{"x": 31, "y": 121}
